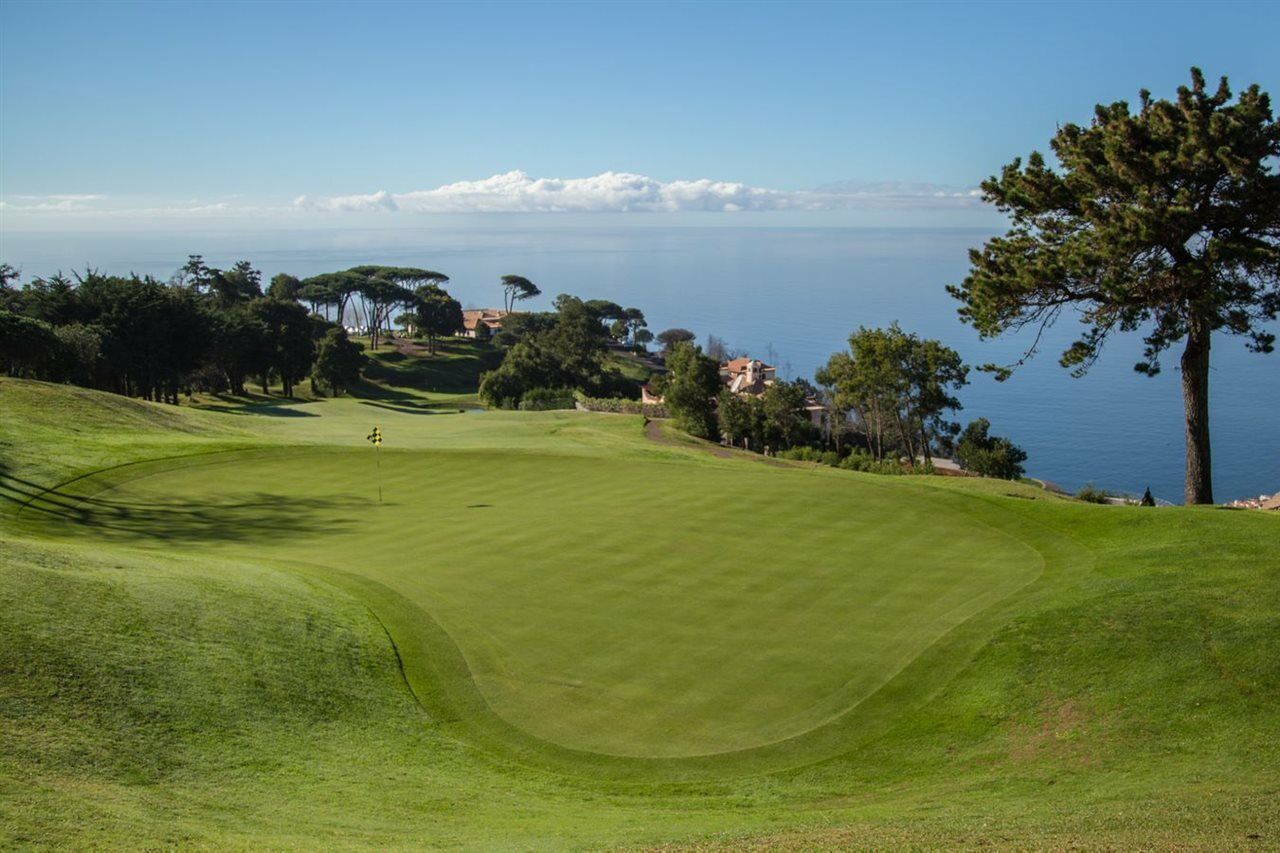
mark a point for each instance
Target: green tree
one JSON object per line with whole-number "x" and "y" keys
{"x": 606, "y": 310}
{"x": 289, "y": 348}
{"x": 52, "y": 300}
{"x": 670, "y": 337}
{"x": 830, "y": 377}
{"x": 784, "y": 419}
{"x": 195, "y": 275}
{"x": 900, "y": 387}
{"x": 238, "y": 285}
{"x": 564, "y": 349}
{"x": 332, "y": 290}
{"x": 517, "y": 327}
{"x": 28, "y": 346}
{"x": 10, "y": 296}
{"x": 241, "y": 347}
{"x": 736, "y": 418}
{"x": 79, "y": 348}
{"x": 436, "y": 314}
{"x": 989, "y": 455}
{"x": 339, "y": 361}
{"x": 154, "y": 336}
{"x": 517, "y": 287}
{"x": 382, "y": 290}
{"x": 933, "y": 372}
{"x": 1166, "y": 219}
{"x": 693, "y": 380}
{"x": 868, "y": 383}
{"x": 633, "y": 322}
{"x": 284, "y": 286}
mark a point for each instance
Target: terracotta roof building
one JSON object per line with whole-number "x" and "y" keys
{"x": 482, "y": 322}
{"x": 747, "y": 376}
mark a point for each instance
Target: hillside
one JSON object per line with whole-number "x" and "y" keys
{"x": 555, "y": 631}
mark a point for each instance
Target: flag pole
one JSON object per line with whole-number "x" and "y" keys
{"x": 375, "y": 438}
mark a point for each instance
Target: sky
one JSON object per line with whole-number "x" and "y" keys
{"x": 138, "y": 115}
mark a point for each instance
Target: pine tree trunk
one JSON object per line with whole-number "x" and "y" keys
{"x": 1195, "y": 398}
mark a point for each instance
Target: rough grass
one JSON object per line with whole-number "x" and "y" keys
{"x": 198, "y": 653}
{"x": 451, "y": 375}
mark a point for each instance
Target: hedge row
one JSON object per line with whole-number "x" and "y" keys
{"x": 619, "y": 406}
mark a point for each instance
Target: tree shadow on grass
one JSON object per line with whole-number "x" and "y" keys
{"x": 407, "y": 409}
{"x": 229, "y": 517}
{"x": 271, "y": 412}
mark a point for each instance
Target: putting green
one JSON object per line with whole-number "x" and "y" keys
{"x": 651, "y": 609}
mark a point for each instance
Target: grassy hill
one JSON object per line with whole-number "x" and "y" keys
{"x": 451, "y": 375}
{"x": 554, "y": 631}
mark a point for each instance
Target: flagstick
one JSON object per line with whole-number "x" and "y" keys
{"x": 377, "y": 455}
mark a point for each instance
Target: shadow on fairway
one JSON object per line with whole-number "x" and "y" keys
{"x": 410, "y": 410}
{"x": 272, "y": 412}
{"x": 242, "y": 517}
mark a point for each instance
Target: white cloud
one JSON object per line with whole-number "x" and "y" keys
{"x": 381, "y": 200}
{"x": 88, "y": 206}
{"x": 510, "y": 192}
{"x": 35, "y": 203}
{"x": 621, "y": 192}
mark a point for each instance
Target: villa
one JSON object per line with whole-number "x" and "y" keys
{"x": 747, "y": 377}
{"x": 482, "y": 322}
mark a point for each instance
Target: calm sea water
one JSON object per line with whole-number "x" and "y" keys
{"x": 792, "y": 296}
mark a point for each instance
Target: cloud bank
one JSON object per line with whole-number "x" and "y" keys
{"x": 622, "y": 192}
{"x": 510, "y": 192}
{"x": 36, "y": 203}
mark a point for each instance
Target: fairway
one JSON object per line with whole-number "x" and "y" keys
{"x": 556, "y": 631}
{"x": 638, "y": 608}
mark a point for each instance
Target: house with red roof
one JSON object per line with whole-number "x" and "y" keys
{"x": 482, "y": 323}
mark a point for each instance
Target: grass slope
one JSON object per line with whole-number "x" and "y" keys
{"x": 600, "y": 640}
{"x": 451, "y": 375}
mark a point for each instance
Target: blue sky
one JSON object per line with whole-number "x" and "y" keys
{"x": 144, "y": 112}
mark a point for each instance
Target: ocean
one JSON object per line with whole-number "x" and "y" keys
{"x": 790, "y": 296}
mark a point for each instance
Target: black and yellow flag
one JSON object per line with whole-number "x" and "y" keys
{"x": 375, "y": 438}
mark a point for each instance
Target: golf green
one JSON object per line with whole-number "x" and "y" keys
{"x": 652, "y": 609}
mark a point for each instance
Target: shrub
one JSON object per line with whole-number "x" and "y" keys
{"x": 811, "y": 454}
{"x": 989, "y": 455}
{"x": 861, "y": 460}
{"x": 857, "y": 460}
{"x": 693, "y": 380}
{"x": 619, "y": 406}
{"x": 1094, "y": 495}
{"x": 339, "y": 362}
{"x": 547, "y": 399}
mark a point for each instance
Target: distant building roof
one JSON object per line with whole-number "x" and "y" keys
{"x": 490, "y": 317}
{"x": 738, "y": 365}
{"x": 747, "y": 375}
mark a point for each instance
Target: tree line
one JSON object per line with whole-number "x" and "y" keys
{"x": 211, "y": 330}
{"x": 551, "y": 354}
{"x": 886, "y": 401}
